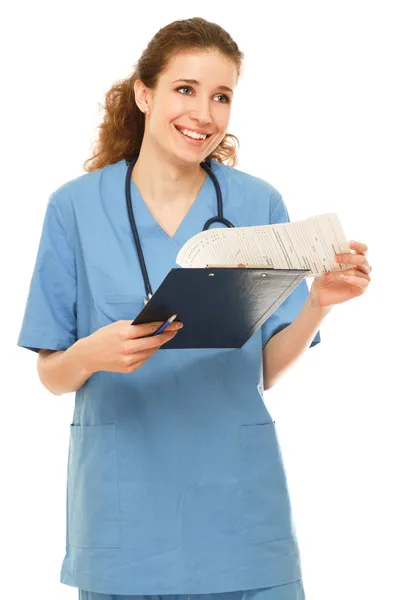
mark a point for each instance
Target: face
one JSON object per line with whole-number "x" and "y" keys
{"x": 202, "y": 105}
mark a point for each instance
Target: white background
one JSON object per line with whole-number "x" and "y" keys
{"x": 317, "y": 115}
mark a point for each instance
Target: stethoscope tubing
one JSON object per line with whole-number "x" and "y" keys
{"x": 219, "y": 219}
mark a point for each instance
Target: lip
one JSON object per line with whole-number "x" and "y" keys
{"x": 181, "y": 127}
{"x": 192, "y": 141}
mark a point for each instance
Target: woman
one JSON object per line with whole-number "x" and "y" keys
{"x": 175, "y": 479}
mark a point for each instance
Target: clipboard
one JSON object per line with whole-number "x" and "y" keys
{"x": 219, "y": 307}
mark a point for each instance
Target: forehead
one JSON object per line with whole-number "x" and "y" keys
{"x": 209, "y": 68}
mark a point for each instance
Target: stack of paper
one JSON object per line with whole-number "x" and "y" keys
{"x": 308, "y": 244}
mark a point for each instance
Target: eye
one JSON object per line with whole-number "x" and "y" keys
{"x": 227, "y": 99}
{"x": 185, "y": 87}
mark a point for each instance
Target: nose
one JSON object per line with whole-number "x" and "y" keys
{"x": 202, "y": 113}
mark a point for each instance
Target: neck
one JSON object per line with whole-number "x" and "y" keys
{"x": 161, "y": 180}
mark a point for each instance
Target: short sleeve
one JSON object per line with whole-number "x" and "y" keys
{"x": 49, "y": 320}
{"x": 286, "y": 313}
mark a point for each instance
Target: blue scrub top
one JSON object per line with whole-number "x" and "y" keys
{"x": 175, "y": 477}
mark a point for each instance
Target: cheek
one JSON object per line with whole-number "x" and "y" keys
{"x": 161, "y": 123}
{"x": 168, "y": 110}
{"x": 221, "y": 118}
{"x": 175, "y": 107}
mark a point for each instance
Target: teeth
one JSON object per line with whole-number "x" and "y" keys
{"x": 193, "y": 134}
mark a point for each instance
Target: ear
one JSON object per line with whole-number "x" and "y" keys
{"x": 141, "y": 96}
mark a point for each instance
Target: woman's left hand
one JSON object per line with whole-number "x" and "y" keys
{"x": 336, "y": 287}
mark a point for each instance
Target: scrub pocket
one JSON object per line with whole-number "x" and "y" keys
{"x": 123, "y": 306}
{"x": 92, "y": 494}
{"x": 265, "y": 511}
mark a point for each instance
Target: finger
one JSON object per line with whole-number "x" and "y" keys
{"x": 138, "y": 356}
{"x": 365, "y": 268}
{"x": 136, "y": 364}
{"x": 355, "y": 259}
{"x": 332, "y": 276}
{"x": 352, "y": 271}
{"x": 138, "y": 331}
{"x": 147, "y": 343}
{"x": 358, "y": 246}
{"x": 360, "y": 280}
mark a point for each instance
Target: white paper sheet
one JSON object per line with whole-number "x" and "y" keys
{"x": 307, "y": 244}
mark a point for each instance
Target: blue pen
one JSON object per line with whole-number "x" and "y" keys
{"x": 164, "y": 325}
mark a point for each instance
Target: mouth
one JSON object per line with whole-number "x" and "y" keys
{"x": 193, "y": 140}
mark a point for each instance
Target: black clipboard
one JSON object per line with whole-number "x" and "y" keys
{"x": 219, "y": 307}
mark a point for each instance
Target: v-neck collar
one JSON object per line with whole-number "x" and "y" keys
{"x": 179, "y": 237}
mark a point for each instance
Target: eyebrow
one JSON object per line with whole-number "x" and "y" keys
{"x": 195, "y": 82}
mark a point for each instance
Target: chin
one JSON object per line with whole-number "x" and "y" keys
{"x": 187, "y": 158}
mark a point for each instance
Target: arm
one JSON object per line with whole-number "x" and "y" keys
{"x": 285, "y": 347}
{"x": 63, "y": 371}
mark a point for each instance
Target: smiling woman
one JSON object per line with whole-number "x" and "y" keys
{"x": 185, "y": 123}
{"x": 176, "y": 484}
{"x": 206, "y": 63}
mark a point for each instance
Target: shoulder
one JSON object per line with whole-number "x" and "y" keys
{"x": 255, "y": 191}
{"x": 66, "y": 202}
{"x": 77, "y": 189}
{"x": 84, "y": 189}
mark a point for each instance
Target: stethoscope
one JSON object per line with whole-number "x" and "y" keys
{"x": 206, "y": 165}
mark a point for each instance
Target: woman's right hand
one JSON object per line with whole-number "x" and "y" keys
{"x": 121, "y": 348}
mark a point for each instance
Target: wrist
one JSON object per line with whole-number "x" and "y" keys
{"x": 315, "y": 305}
{"x": 83, "y": 356}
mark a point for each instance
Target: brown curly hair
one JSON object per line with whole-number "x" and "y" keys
{"x": 121, "y": 132}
